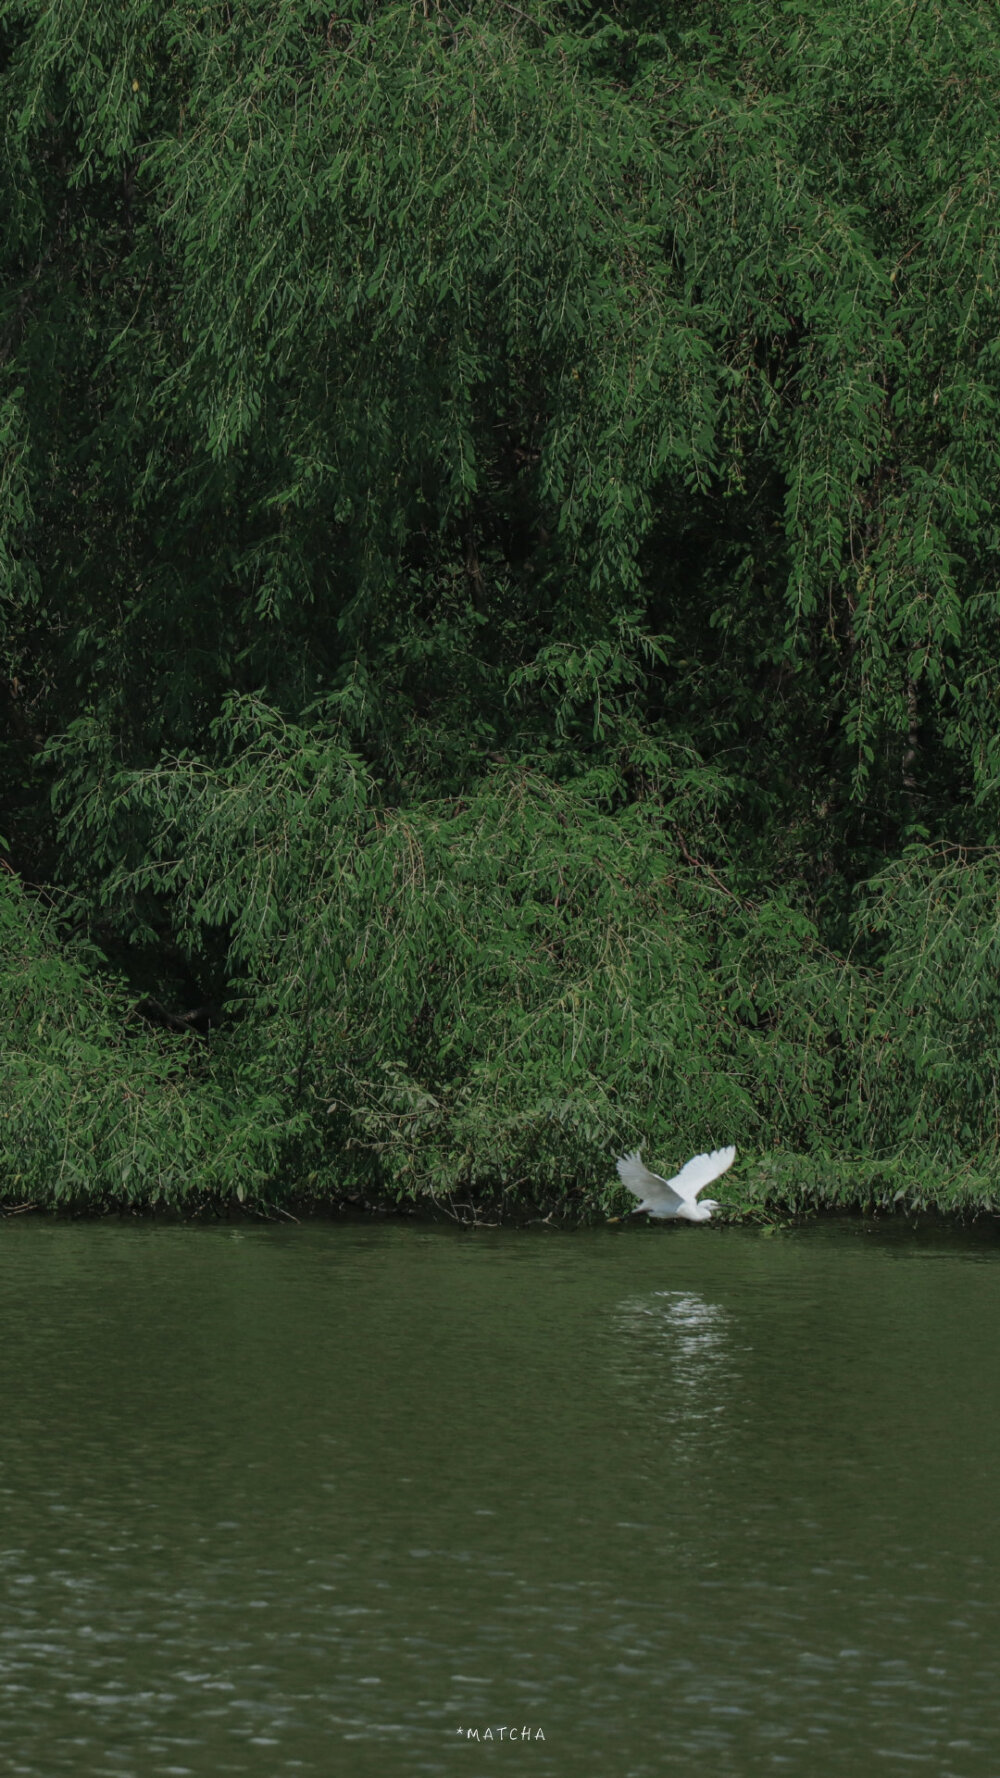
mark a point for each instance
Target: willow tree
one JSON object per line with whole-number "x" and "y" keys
{"x": 544, "y": 389}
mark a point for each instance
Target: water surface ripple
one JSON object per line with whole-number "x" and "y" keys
{"x": 313, "y": 1500}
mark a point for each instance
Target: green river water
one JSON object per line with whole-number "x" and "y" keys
{"x": 321, "y": 1500}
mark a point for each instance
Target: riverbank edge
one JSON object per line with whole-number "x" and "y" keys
{"x": 777, "y": 1188}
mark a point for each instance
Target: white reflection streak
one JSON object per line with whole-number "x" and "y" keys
{"x": 684, "y": 1356}
{"x": 697, "y": 1333}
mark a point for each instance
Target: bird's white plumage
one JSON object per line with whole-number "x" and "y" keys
{"x": 678, "y": 1196}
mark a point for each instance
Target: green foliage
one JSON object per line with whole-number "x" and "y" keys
{"x": 495, "y": 992}
{"x": 931, "y": 1055}
{"x": 396, "y": 348}
{"x": 94, "y": 1109}
{"x": 562, "y": 443}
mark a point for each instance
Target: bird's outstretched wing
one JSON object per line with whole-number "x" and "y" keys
{"x": 700, "y": 1172}
{"x": 648, "y": 1187}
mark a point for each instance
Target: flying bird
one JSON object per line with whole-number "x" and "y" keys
{"x": 677, "y": 1197}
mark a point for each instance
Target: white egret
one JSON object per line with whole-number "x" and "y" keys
{"x": 677, "y": 1197}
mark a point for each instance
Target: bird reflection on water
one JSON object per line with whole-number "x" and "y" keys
{"x": 678, "y": 1349}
